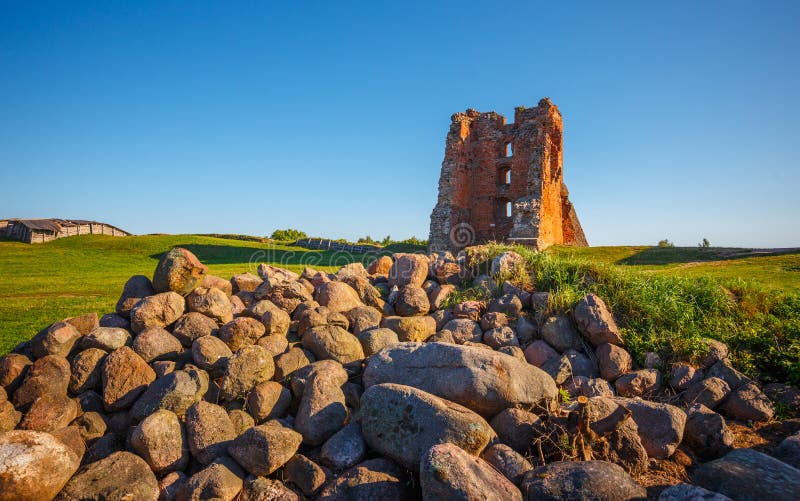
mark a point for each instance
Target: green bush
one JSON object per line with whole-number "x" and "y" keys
{"x": 288, "y": 235}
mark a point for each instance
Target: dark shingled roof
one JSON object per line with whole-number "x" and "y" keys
{"x": 55, "y": 225}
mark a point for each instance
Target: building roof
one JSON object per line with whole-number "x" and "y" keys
{"x": 55, "y": 225}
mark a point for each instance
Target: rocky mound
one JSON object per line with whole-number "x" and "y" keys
{"x": 369, "y": 384}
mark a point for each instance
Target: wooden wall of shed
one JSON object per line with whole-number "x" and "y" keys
{"x": 18, "y": 231}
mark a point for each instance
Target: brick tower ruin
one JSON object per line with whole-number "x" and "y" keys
{"x": 504, "y": 182}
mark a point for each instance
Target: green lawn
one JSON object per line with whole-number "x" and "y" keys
{"x": 778, "y": 271}
{"x": 44, "y": 283}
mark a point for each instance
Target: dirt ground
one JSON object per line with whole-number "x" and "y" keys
{"x": 763, "y": 437}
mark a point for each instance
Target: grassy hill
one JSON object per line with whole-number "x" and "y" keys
{"x": 666, "y": 298}
{"x": 43, "y": 283}
{"x": 771, "y": 269}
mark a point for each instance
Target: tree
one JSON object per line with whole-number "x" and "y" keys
{"x": 665, "y": 243}
{"x": 288, "y": 235}
{"x": 705, "y": 244}
{"x": 386, "y": 240}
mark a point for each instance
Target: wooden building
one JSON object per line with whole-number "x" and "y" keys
{"x": 36, "y": 231}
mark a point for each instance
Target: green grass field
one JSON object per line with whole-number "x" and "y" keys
{"x": 667, "y": 298}
{"x": 779, "y": 270}
{"x": 43, "y": 283}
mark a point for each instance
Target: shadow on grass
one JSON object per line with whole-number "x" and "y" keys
{"x": 672, "y": 255}
{"x": 233, "y": 254}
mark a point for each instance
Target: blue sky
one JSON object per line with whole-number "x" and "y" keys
{"x": 681, "y": 118}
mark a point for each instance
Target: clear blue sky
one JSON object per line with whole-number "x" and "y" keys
{"x": 682, "y": 119}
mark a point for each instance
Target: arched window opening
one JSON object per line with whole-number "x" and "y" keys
{"x": 508, "y": 150}
{"x": 504, "y": 176}
{"x": 502, "y": 210}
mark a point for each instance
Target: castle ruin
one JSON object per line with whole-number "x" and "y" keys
{"x": 504, "y": 182}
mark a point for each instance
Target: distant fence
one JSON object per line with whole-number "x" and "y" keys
{"x": 333, "y": 245}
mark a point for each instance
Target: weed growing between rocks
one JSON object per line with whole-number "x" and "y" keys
{"x": 673, "y": 315}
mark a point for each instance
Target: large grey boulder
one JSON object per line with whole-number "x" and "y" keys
{"x": 748, "y": 403}
{"x": 249, "y": 365}
{"x": 485, "y": 381}
{"x": 33, "y": 465}
{"x": 402, "y": 423}
{"x": 265, "y": 448}
{"x": 178, "y": 270}
{"x": 175, "y": 392}
{"x": 193, "y": 326}
{"x": 446, "y": 472}
{"x": 345, "y": 448}
{"x": 46, "y": 377}
{"x": 622, "y": 444}
{"x": 374, "y": 340}
{"x": 789, "y": 450}
{"x": 210, "y": 353}
{"x": 57, "y": 339}
{"x": 581, "y": 481}
{"x": 660, "y": 425}
{"x": 373, "y": 479}
{"x": 136, "y": 288}
{"x": 322, "y": 410}
{"x": 122, "y": 475}
{"x": 595, "y": 321}
{"x": 507, "y": 461}
{"x": 125, "y": 376}
{"x": 709, "y": 392}
{"x": 268, "y": 400}
{"x": 410, "y": 328}
{"x": 517, "y": 428}
{"x": 242, "y": 331}
{"x": 87, "y": 368}
{"x": 161, "y": 441}
{"x": 334, "y": 343}
{"x": 689, "y": 492}
{"x": 212, "y": 303}
{"x": 560, "y": 333}
{"x": 411, "y": 301}
{"x": 160, "y": 310}
{"x": 644, "y": 382}
{"x": 463, "y": 330}
{"x": 706, "y": 432}
{"x": 338, "y": 297}
{"x": 408, "y": 269}
{"x": 155, "y": 343}
{"x": 50, "y": 413}
{"x": 266, "y": 489}
{"x": 209, "y": 431}
{"x": 305, "y": 474}
{"x": 221, "y": 481}
{"x": 749, "y": 475}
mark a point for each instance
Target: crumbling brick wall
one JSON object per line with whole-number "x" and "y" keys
{"x": 504, "y": 182}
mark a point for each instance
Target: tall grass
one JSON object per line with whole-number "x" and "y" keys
{"x": 672, "y": 315}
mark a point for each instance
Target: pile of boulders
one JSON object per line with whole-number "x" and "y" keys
{"x": 370, "y": 383}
